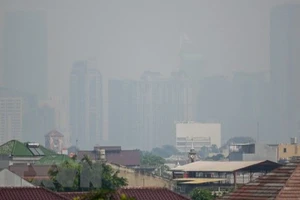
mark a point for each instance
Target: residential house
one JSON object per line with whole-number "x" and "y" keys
{"x": 114, "y": 155}
{"x": 13, "y": 152}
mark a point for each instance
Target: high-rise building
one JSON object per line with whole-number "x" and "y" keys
{"x": 85, "y": 105}
{"x": 29, "y": 114}
{"x": 285, "y": 69}
{"x": 11, "y": 118}
{"x": 143, "y": 113}
{"x": 25, "y": 52}
{"x": 123, "y": 115}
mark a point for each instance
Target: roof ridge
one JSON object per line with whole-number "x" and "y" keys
{"x": 14, "y": 146}
{"x": 281, "y": 190}
{"x": 55, "y": 193}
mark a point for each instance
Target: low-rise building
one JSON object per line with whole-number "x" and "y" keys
{"x": 219, "y": 175}
{"x": 14, "y": 151}
{"x": 114, "y": 155}
{"x": 198, "y": 134}
{"x": 282, "y": 183}
{"x": 252, "y": 152}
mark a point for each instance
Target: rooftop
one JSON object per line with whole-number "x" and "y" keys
{"x": 54, "y": 133}
{"x": 139, "y": 193}
{"x": 281, "y": 183}
{"x": 54, "y": 159}
{"x": 17, "y": 148}
{"x": 29, "y": 193}
{"x": 226, "y": 166}
{"x": 123, "y": 157}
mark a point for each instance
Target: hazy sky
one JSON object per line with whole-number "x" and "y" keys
{"x": 128, "y": 37}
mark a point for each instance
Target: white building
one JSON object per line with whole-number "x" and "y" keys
{"x": 200, "y": 134}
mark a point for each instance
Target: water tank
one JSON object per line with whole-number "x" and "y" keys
{"x": 102, "y": 154}
{"x": 293, "y": 140}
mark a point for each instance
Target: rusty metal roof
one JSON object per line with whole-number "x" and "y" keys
{"x": 281, "y": 183}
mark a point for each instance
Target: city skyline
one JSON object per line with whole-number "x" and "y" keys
{"x": 229, "y": 65}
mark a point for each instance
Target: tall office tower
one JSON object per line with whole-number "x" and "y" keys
{"x": 123, "y": 115}
{"x": 25, "y": 52}
{"x": 285, "y": 69}
{"x": 11, "y": 118}
{"x": 192, "y": 64}
{"x": 29, "y": 110}
{"x": 142, "y": 114}
{"x": 85, "y": 105}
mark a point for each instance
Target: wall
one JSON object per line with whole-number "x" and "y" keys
{"x": 262, "y": 152}
{"x": 136, "y": 179}
{"x": 291, "y": 150}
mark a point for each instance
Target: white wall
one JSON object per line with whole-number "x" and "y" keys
{"x": 193, "y": 130}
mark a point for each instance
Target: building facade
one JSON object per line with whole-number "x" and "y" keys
{"x": 285, "y": 71}
{"x": 25, "y": 52}
{"x": 252, "y": 152}
{"x": 54, "y": 140}
{"x": 198, "y": 135}
{"x": 85, "y": 104}
{"x": 11, "y": 118}
{"x": 142, "y": 113}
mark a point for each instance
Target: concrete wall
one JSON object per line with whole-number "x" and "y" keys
{"x": 288, "y": 150}
{"x": 262, "y": 152}
{"x": 136, "y": 179}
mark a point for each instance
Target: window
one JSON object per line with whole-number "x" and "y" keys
{"x": 284, "y": 150}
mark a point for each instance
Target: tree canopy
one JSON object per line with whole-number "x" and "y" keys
{"x": 151, "y": 160}
{"x": 84, "y": 176}
{"x": 165, "y": 151}
{"x": 201, "y": 194}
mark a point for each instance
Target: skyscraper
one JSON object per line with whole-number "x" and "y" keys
{"x": 85, "y": 105}
{"x": 11, "y": 118}
{"x": 285, "y": 69}
{"x": 19, "y": 113}
{"x": 25, "y": 52}
{"x": 143, "y": 113}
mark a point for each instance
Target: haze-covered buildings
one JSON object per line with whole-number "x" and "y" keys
{"x": 142, "y": 113}
{"x": 285, "y": 70}
{"x": 86, "y": 122}
{"x": 25, "y": 52}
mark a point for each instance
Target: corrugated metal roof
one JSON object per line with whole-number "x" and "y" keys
{"x": 198, "y": 180}
{"x": 281, "y": 183}
{"x": 217, "y": 166}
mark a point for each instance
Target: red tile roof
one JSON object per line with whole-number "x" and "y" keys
{"x": 29, "y": 193}
{"x": 125, "y": 158}
{"x": 31, "y": 171}
{"x": 150, "y": 193}
{"x": 139, "y": 193}
{"x": 281, "y": 183}
{"x": 72, "y": 195}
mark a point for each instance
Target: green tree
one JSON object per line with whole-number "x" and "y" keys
{"x": 151, "y": 160}
{"x": 165, "y": 151}
{"x": 85, "y": 175}
{"x": 201, "y": 194}
{"x": 102, "y": 194}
